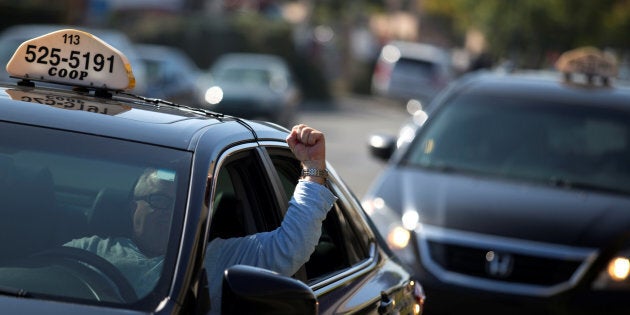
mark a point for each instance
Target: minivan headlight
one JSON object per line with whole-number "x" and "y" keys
{"x": 398, "y": 237}
{"x": 395, "y": 229}
{"x": 616, "y": 274}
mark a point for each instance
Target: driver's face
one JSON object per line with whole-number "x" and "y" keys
{"x": 152, "y": 220}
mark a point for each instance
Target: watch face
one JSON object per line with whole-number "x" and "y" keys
{"x": 315, "y": 172}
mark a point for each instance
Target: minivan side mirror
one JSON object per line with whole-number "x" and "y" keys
{"x": 382, "y": 146}
{"x": 253, "y": 290}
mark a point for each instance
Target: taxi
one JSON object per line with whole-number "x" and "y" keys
{"x": 76, "y": 142}
{"x": 512, "y": 194}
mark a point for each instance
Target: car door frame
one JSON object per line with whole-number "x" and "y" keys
{"x": 353, "y": 275}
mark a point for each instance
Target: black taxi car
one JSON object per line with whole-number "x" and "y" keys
{"x": 513, "y": 197}
{"x": 69, "y": 158}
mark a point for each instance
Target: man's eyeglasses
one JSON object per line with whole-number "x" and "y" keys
{"x": 158, "y": 201}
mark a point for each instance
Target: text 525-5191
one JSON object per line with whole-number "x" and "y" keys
{"x": 76, "y": 59}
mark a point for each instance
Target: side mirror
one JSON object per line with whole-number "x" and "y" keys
{"x": 253, "y": 290}
{"x": 382, "y": 146}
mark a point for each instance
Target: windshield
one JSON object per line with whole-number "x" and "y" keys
{"x": 78, "y": 221}
{"x": 569, "y": 145}
{"x": 244, "y": 76}
{"x": 413, "y": 69}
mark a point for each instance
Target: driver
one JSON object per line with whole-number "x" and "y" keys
{"x": 140, "y": 258}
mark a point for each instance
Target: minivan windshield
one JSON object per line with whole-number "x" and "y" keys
{"x": 88, "y": 218}
{"x": 570, "y": 145}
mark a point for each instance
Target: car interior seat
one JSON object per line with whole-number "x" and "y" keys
{"x": 110, "y": 215}
{"x": 27, "y": 202}
{"x": 327, "y": 256}
{"x": 227, "y": 221}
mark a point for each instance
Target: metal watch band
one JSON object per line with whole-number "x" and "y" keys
{"x": 315, "y": 172}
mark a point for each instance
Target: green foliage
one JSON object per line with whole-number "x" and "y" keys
{"x": 527, "y": 30}
{"x": 263, "y": 35}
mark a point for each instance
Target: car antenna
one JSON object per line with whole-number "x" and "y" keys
{"x": 246, "y": 125}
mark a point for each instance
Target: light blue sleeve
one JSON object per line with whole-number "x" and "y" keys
{"x": 282, "y": 250}
{"x": 141, "y": 271}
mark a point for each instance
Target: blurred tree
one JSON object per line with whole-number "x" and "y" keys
{"x": 40, "y": 11}
{"x": 531, "y": 32}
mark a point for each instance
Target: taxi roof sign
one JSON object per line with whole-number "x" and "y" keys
{"x": 72, "y": 57}
{"x": 588, "y": 61}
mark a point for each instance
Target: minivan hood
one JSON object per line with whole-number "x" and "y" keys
{"x": 509, "y": 208}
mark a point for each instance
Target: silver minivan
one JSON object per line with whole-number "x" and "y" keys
{"x": 410, "y": 70}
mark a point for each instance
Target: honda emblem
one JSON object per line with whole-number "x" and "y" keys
{"x": 498, "y": 264}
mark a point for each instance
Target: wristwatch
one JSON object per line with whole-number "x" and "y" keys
{"x": 315, "y": 172}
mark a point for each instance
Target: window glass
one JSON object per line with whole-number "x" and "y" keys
{"x": 357, "y": 235}
{"x": 245, "y": 76}
{"x": 243, "y": 202}
{"x": 289, "y": 171}
{"x": 67, "y": 197}
{"x": 540, "y": 141}
{"x": 414, "y": 69}
{"x": 339, "y": 246}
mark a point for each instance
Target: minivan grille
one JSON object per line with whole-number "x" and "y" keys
{"x": 524, "y": 268}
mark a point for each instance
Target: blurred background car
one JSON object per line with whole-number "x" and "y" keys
{"x": 15, "y": 35}
{"x": 513, "y": 196}
{"x": 252, "y": 86}
{"x": 171, "y": 74}
{"x": 411, "y": 70}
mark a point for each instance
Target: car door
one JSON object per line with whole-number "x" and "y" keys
{"x": 345, "y": 271}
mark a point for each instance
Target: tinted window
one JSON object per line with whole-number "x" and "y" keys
{"x": 356, "y": 234}
{"x": 56, "y": 187}
{"x": 414, "y": 69}
{"x": 243, "y": 202}
{"x": 244, "y": 76}
{"x": 570, "y": 144}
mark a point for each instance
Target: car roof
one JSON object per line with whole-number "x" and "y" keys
{"x": 421, "y": 51}
{"x": 253, "y": 57}
{"x": 250, "y": 60}
{"x": 543, "y": 85}
{"x": 164, "y": 53}
{"x": 129, "y": 118}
